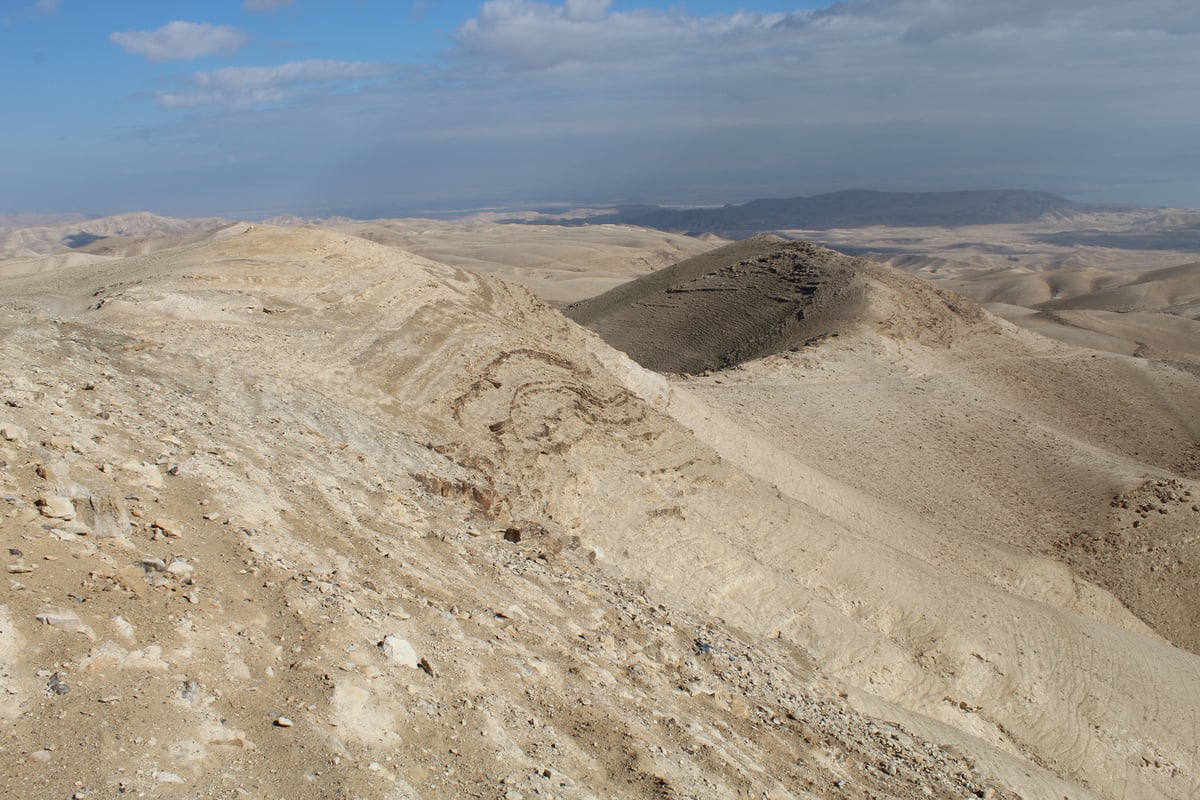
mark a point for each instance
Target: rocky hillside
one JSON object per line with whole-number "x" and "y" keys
{"x": 762, "y": 296}
{"x": 289, "y": 513}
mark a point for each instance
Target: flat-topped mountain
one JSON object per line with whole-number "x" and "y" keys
{"x": 854, "y": 208}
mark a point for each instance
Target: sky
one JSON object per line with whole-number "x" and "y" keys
{"x": 251, "y": 108}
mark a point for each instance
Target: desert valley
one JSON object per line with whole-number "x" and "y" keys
{"x": 564, "y": 506}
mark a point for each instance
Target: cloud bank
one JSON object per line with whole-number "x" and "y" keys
{"x": 179, "y": 40}
{"x": 247, "y": 86}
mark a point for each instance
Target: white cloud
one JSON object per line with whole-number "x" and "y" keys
{"x": 265, "y": 5}
{"x": 248, "y": 86}
{"x": 531, "y": 35}
{"x": 181, "y": 40}
{"x": 925, "y": 21}
{"x": 46, "y": 7}
{"x": 586, "y": 9}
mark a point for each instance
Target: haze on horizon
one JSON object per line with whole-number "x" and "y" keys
{"x": 299, "y": 106}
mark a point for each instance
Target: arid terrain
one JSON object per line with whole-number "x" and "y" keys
{"x": 343, "y": 511}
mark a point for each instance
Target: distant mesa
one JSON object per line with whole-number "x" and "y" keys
{"x": 762, "y": 296}
{"x": 855, "y": 208}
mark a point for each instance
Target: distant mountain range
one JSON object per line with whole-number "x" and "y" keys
{"x": 855, "y": 208}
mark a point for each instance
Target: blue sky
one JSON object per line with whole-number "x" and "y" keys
{"x": 257, "y": 107}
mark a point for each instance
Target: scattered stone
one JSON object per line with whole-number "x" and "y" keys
{"x": 12, "y": 433}
{"x": 180, "y": 569}
{"x": 167, "y": 777}
{"x": 21, "y": 568}
{"x": 426, "y": 667}
{"x": 283, "y": 722}
{"x": 39, "y": 756}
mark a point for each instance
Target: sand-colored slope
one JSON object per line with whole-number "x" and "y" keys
{"x": 65, "y": 236}
{"x": 1175, "y": 290}
{"x": 1148, "y": 335}
{"x": 1023, "y": 287}
{"x": 560, "y": 265}
{"x": 339, "y": 401}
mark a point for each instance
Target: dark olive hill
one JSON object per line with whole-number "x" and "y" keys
{"x": 761, "y": 296}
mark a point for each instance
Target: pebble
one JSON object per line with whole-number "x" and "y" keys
{"x": 283, "y": 722}
{"x": 39, "y": 756}
{"x": 57, "y": 685}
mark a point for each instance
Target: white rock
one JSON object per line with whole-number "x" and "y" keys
{"x": 399, "y": 651}
{"x": 65, "y": 620}
{"x": 124, "y": 628}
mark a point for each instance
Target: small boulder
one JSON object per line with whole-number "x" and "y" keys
{"x": 399, "y": 651}
{"x": 168, "y": 527}
{"x": 56, "y": 507}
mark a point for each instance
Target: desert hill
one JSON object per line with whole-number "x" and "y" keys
{"x": 762, "y": 296}
{"x": 559, "y": 265}
{"x": 875, "y": 349}
{"x": 62, "y": 237}
{"x": 1175, "y": 290}
{"x": 290, "y": 511}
